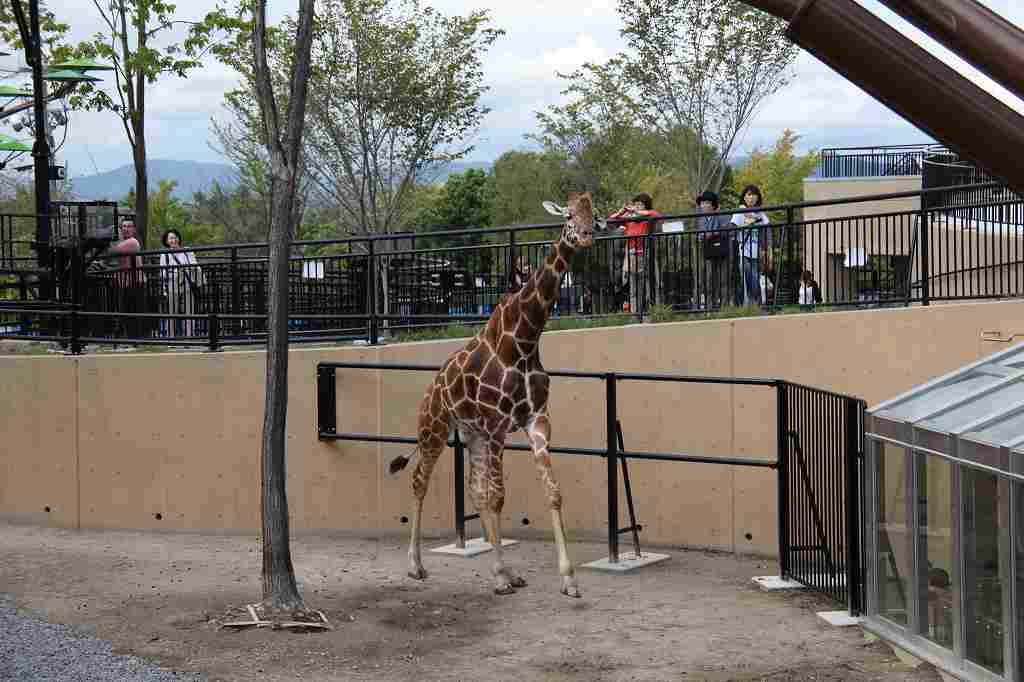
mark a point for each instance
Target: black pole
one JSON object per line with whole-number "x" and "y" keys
{"x": 371, "y": 292}
{"x": 460, "y": 492}
{"x": 923, "y": 224}
{"x": 213, "y": 327}
{"x": 634, "y": 527}
{"x": 40, "y": 150}
{"x": 782, "y": 409}
{"x": 510, "y": 285}
{"x": 236, "y": 291}
{"x": 326, "y": 401}
{"x": 854, "y": 578}
{"x": 612, "y": 460}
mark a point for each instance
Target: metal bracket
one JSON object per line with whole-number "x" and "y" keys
{"x": 999, "y": 337}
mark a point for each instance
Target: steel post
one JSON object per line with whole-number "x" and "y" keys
{"x": 612, "y": 461}
{"x": 782, "y": 469}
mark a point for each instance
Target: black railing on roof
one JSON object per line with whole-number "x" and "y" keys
{"x": 870, "y": 162}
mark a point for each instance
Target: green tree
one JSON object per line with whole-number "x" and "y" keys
{"x": 239, "y": 214}
{"x": 779, "y": 172}
{"x": 694, "y": 72}
{"x": 396, "y": 88}
{"x": 466, "y": 201}
{"x": 522, "y": 181}
{"x": 144, "y": 41}
{"x": 165, "y": 212}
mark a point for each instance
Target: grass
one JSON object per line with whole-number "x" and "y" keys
{"x": 657, "y": 314}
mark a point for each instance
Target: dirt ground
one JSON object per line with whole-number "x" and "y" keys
{"x": 695, "y": 617}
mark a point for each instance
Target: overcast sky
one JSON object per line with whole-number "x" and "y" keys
{"x": 520, "y": 69}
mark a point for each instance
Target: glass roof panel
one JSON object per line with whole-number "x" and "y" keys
{"x": 984, "y": 404}
{"x": 1013, "y": 358}
{"x": 1005, "y": 431}
{"x": 931, "y": 399}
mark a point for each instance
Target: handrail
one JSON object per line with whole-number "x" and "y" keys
{"x": 888, "y": 196}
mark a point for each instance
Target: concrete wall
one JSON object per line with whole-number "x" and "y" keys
{"x": 172, "y": 440}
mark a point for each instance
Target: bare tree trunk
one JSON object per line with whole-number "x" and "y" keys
{"x": 141, "y": 188}
{"x": 280, "y": 590}
{"x": 279, "y": 587}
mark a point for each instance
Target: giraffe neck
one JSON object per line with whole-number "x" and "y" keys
{"x": 539, "y": 295}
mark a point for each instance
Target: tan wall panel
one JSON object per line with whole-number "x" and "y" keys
{"x": 333, "y": 484}
{"x": 179, "y": 434}
{"x": 817, "y": 189}
{"x": 171, "y": 434}
{"x": 37, "y": 420}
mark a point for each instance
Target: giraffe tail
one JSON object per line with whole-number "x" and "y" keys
{"x": 398, "y": 463}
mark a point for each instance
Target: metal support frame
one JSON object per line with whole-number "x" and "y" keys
{"x": 613, "y": 453}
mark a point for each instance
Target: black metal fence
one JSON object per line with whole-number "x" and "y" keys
{"x": 871, "y": 162}
{"x": 818, "y": 463}
{"x": 821, "y": 436}
{"x": 355, "y": 288}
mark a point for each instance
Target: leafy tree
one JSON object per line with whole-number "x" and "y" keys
{"x": 396, "y": 89}
{"x": 694, "y": 72}
{"x": 465, "y": 202}
{"x": 144, "y": 41}
{"x": 165, "y": 212}
{"x": 779, "y": 172}
{"x": 239, "y": 214}
{"x": 522, "y": 181}
{"x": 283, "y": 139}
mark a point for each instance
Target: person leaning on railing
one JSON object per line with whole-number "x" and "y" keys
{"x": 755, "y": 246}
{"x": 181, "y": 277}
{"x": 718, "y": 245}
{"x": 129, "y": 280}
{"x": 634, "y": 270}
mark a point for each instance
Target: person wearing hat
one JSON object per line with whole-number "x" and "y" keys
{"x": 716, "y": 241}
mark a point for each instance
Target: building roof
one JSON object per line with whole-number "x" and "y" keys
{"x": 974, "y": 414}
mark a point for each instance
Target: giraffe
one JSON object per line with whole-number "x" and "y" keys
{"x": 496, "y": 385}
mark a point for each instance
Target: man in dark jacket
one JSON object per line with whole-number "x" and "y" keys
{"x": 713, "y": 283}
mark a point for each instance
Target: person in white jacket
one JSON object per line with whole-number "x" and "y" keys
{"x": 181, "y": 277}
{"x": 755, "y": 245}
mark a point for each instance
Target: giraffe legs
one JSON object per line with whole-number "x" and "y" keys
{"x": 420, "y": 480}
{"x": 488, "y": 491}
{"x": 539, "y": 433}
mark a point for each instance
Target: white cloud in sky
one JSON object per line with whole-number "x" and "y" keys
{"x": 542, "y": 38}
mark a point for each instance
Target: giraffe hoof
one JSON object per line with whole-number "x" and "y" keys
{"x": 504, "y": 589}
{"x": 418, "y": 573}
{"x": 517, "y": 581}
{"x": 571, "y": 589}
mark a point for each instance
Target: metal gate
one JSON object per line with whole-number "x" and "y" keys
{"x": 821, "y": 437}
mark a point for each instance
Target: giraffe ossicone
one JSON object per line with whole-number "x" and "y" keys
{"x": 493, "y": 386}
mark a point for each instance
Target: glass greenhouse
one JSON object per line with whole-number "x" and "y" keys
{"x": 944, "y": 538}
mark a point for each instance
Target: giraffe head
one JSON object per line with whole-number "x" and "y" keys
{"x": 579, "y": 219}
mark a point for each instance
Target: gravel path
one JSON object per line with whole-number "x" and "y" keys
{"x": 31, "y": 649}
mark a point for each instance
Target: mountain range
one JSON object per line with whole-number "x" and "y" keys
{"x": 192, "y": 177}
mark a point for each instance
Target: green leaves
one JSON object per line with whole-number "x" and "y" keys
{"x": 693, "y": 74}
{"x": 395, "y": 91}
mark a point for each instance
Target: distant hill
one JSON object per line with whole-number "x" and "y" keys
{"x": 192, "y": 177}
{"x": 461, "y": 167}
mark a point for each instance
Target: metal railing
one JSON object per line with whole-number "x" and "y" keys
{"x": 821, "y": 436}
{"x": 355, "y": 288}
{"x": 871, "y": 162}
{"x": 817, "y": 460}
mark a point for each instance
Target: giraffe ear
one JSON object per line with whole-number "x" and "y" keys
{"x": 554, "y": 209}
